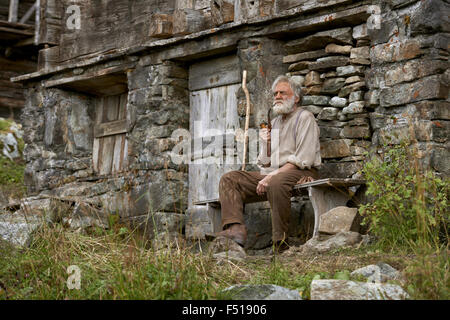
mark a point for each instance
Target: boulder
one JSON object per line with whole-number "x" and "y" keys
{"x": 377, "y": 273}
{"x": 352, "y": 290}
{"x": 262, "y": 292}
{"x": 338, "y": 220}
{"x": 338, "y": 102}
{"x": 18, "y": 228}
{"x": 342, "y": 239}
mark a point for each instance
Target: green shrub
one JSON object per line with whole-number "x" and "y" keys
{"x": 410, "y": 206}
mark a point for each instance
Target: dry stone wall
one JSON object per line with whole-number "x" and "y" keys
{"x": 331, "y": 66}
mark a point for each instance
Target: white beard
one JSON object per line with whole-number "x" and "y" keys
{"x": 285, "y": 107}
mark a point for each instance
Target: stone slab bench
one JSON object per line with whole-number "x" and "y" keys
{"x": 325, "y": 194}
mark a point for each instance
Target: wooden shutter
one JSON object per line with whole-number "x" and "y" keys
{"x": 110, "y": 143}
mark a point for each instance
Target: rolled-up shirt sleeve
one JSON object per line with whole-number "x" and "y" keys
{"x": 307, "y": 145}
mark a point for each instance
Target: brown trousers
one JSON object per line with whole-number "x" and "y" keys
{"x": 239, "y": 187}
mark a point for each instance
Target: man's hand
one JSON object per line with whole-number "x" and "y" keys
{"x": 261, "y": 188}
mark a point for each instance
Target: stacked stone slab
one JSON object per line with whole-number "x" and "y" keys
{"x": 409, "y": 79}
{"x": 331, "y": 65}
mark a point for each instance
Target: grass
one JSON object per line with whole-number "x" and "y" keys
{"x": 118, "y": 265}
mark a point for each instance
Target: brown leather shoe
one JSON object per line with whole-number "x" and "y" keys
{"x": 236, "y": 232}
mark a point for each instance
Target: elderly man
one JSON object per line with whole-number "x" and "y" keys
{"x": 298, "y": 155}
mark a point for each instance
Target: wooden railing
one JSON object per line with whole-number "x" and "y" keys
{"x": 13, "y": 16}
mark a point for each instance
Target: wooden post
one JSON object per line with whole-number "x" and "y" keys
{"x": 247, "y": 118}
{"x": 13, "y": 11}
{"x": 38, "y": 22}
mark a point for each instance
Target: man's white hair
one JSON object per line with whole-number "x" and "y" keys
{"x": 294, "y": 85}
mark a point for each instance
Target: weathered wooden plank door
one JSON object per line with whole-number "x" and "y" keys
{"x": 213, "y": 119}
{"x": 110, "y": 143}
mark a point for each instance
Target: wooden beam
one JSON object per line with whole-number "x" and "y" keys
{"x": 29, "y": 13}
{"x": 13, "y": 11}
{"x": 37, "y": 29}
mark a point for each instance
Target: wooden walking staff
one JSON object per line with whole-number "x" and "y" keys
{"x": 247, "y": 118}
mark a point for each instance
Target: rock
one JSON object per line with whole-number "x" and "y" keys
{"x": 372, "y": 97}
{"x": 377, "y": 273}
{"x": 345, "y": 91}
{"x": 235, "y": 256}
{"x": 328, "y": 113}
{"x": 312, "y": 78}
{"x": 338, "y": 220}
{"x": 165, "y": 240}
{"x": 328, "y": 62}
{"x": 352, "y": 290}
{"x": 338, "y": 102}
{"x": 426, "y": 88}
{"x": 302, "y": 65}
{"x": 354, "y": 107}
{"x": 342, "y": 239}
{"x": 387, "y": 32}
{"x": 262, "y": 292}
{"x": 156, "y": 223}
{"x": 18, "y": 228}
{"x": 84, "y": 216}
{"x": 313, "y": 109}
{"x": 329, "y": 74}
{"x": 334, "y": 48}
{"x": 411, "y": 70}
{"x": 313, "y": 90}
{"x": 360, "y": 53}
{"x": 353, "y": 79}
{"x": 315, "y": 100}
{"x": 304, "y": 56}
{"x": 10, "y": 146}
{"x": 222, "y": 244}
{"x": 430, "y": 17}
{"x": 319, "y": 40}
{"x": 356, "y": 132}
{"x": 335, "y": 148}
{"x": 350, "y": 71}
{"x": 360, "y": 32}
{"x": 397, "y": 51}
{"x": 327, "y": 132}
{"x": 356, "y": 96}
{"x": 332, "y": 85}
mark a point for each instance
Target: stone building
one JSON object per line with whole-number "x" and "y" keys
{"x": 118, "y": 78}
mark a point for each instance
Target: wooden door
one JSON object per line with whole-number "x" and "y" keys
{"x": 110, "y": 143}
{"x": 213, "y": 115}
